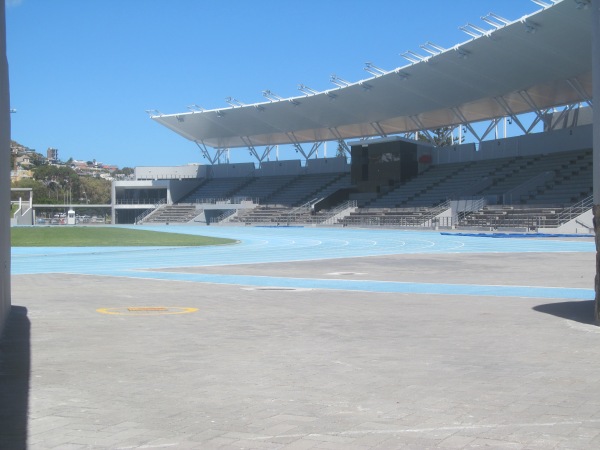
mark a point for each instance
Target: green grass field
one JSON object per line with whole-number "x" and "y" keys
{"x": 97, "y": 236}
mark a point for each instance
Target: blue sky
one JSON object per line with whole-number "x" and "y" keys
{"x": 83, "y": 72}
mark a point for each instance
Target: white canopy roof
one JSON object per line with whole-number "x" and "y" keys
{"x": 537, "y": 62}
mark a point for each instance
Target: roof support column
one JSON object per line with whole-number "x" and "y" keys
{"x": 5, "y": 294}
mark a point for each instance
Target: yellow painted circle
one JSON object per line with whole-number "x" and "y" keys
{"x": 146, "y": 310}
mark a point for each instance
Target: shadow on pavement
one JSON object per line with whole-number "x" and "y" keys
{"x": 14, "y": 379}
{"x": 578, "y": 311}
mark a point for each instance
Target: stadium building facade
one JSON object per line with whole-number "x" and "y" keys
{"x": 389, "y": 127}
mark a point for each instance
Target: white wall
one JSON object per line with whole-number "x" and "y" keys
{"x": 170, "y": 172}
{"x": 327, "y": 165}
{"x": 287, "y": 167}
{"x": 231, "y": 170}
{"x": 568, "y": 139}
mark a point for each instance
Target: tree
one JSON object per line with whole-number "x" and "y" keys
{"x": 41, "y": 193}
{"x": 124, "y": 171}
{"x": 62, "y": 182}
{"x": 441, "y": 137}
{"x": 94, "y": 190}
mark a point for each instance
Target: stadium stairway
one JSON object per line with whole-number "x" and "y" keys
{"x": 166, "y": 214}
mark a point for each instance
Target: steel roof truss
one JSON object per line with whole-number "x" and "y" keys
{"x": 576, "y": 85}
{"x": 466, "y": 123}
{"x": 511, "y": 114}
{"x": 344, "y": 146}
{"x": 254, "y": 152}
{"x": 377, "y": 127}
{"x": 296, "y": 144}
{"x": 314, "y": 149}
{"x": 554, "y": 122}
{"x": 491, "y": 127}
{"x": 206, "y": 153}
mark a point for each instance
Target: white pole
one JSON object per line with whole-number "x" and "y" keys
{"x": 4, "y": 174}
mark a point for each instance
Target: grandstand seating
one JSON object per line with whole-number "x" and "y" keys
{"x": 304, "y": 188}
{"x": 512, "y": 216}
{"x": 522, "y": 192}
{"x": 215, "y": 189}
{"x": 565, "y": 178}
{"x": 172, "y": 214}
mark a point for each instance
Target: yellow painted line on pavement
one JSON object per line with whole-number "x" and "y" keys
{"x": 146, "y": 310}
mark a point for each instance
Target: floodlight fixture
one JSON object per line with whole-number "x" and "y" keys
{"x": 432, "y": 48}
{"x": 339, "y": 82}
{"x": 542, "y": 3}
{"x": 413, "y": 57}
{"x": 469, "y": 32}
{"x": 496, "y": 21}
{"x": 476, "y": 28}
{"x": 473, "y": 30}
{"x": 374, "y": 70}
{"x": 499, "y": 18}
{"x": 271, "y": 96}
{"x": 583, "y": 4}
{"x": 154, "y": 112}
{"x": 220, "y": 113}
{"x": 196, "y": 108}
{"x": 306, "y": 90}
{"x": 233, "y": 102}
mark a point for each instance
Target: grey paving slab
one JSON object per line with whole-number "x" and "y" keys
{"x": 306, "y": 368}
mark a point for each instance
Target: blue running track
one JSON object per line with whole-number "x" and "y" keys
{"x": 263, "y": 245}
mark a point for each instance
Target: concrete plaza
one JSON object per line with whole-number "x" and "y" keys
{"x": 109, "y": 361}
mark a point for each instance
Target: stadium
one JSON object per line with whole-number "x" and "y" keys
{"x": 429, "y": 283}
{"x": 401, "y": 159}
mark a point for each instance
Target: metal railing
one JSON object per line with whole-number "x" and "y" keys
{"x": 427, "y": 219}
{"x": 222, "y": 217}
{"x": 575, "y": 210}
{"x": 146, "y": 213}
{"x": 222, "y": 200}
{"x": 330, "y": 218}
{"x": 139, "y": 201}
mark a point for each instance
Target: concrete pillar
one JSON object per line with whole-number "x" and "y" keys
{"x": 4, "y": 174}
{"x": 596, "y": 144}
